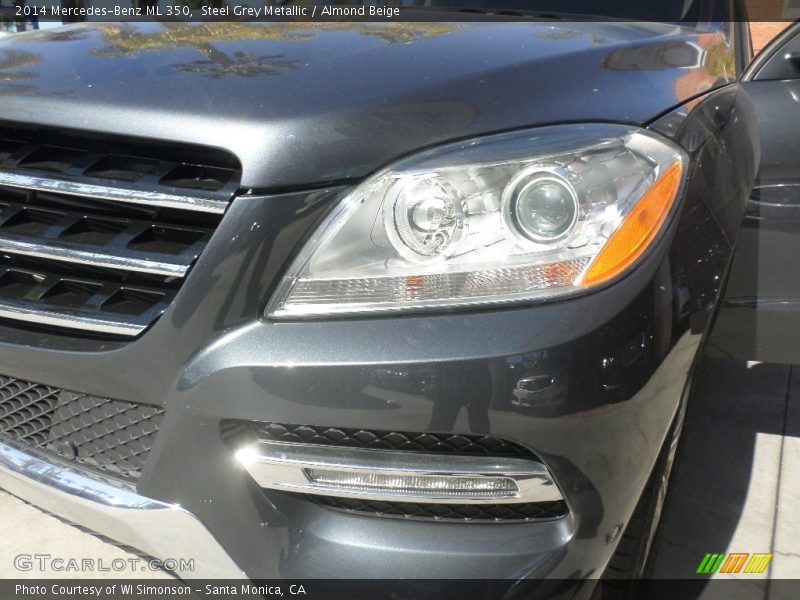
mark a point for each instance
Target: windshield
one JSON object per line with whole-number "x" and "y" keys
{"x": 662, "y": 10}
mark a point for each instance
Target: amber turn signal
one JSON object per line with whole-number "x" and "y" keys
{"x": 637, "y": 230}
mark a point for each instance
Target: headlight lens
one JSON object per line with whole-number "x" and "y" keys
{"x": 505, "y": 218}
{"x": 540, "y": 207}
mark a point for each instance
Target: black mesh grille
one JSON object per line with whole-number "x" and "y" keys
{"x": 26, "y": 410}
{"x": 97, "y": 236}
{"x": 111, "y": 436}
{"x": 531, "y": 511}
{"x": 444, "y": 443}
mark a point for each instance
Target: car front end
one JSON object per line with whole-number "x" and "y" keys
{"x": 229, "y": 329}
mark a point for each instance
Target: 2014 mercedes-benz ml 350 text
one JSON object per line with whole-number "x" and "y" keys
{"x": 409, "y": 300}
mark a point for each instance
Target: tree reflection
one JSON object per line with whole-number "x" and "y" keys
{"x": 15, "y": 81}
{"x": 73, "y": 34}
{"x": 14, "y": 59}
{"x": 126, "y": 39}
{"x": 563, "y": 34}
{"x": 241, "y": 63}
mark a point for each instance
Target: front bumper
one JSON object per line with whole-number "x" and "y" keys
{"x": 160, "y": 530}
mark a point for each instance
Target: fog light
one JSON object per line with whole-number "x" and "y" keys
{"x": 417, "y": 485}
{"x": 396, "y": 475}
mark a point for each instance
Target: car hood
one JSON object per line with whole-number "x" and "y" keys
{"x": 302, "y": 103}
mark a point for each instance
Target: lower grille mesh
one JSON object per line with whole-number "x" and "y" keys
{"x": 446, "y": 443}
{"x": 111, "y": 436}
{"x": 26, "y": 410}
{"x": 531, "y": 511}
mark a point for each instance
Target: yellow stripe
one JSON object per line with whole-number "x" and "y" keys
{"x": 764, "y": 562}
{"x": 754, "y": 559}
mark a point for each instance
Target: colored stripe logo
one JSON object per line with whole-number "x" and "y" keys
{"x": 735, "y": 562}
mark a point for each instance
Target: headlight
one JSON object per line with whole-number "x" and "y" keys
{"x": 511, "y": 217}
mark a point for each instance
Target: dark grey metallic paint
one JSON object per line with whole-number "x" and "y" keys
{"x": 619, "y": 358}
{"x": 760, "y": 314}
{"x": 349, "y": 98}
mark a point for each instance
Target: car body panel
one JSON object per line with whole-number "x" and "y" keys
{"x": 416, "y": 85}
{"x": 760, "y": 313}
{"x": 212, "y": 357}
{"x": 618, "y": 357}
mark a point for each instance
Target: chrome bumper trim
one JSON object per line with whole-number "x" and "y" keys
{"x": 290, "y": 466}
{"x": 150, "y": 526}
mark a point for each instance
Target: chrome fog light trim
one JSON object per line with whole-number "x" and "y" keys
{"x": 400, "y": 476}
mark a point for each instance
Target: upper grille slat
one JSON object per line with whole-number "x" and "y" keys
{"x": 97, "y": 236}
{"x": 97, "y": 256}
{"x": 126, "y": 193}
{"x": 75, "y": 319}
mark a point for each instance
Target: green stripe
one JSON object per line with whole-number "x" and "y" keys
{"x": 702, "y": 567}
{"x": 718, "y": 563}
{"x": 711, "y": 562}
